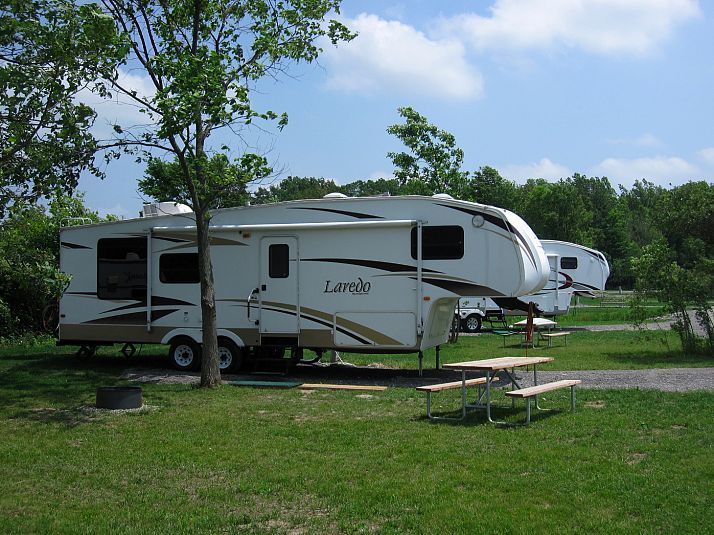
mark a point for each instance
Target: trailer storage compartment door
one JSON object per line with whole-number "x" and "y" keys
{"x": 383, "y": 329}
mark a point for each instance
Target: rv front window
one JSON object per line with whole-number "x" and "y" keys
{"x": 279, "y": 261}
{"x": 439, "y": 243}
{"x": 121, "y": 268}
{"x": 569, "y": 262}
{"x": 179, "y": 268}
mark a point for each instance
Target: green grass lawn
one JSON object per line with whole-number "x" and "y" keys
{"x": 595, "y": 315}
{"x": 286, "y": 461}
{"x": 610, "y": 350}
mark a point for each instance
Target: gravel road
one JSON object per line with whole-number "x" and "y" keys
{"x": 670, "y": 380}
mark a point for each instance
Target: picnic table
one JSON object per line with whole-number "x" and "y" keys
{"x": 495, "y": 365}
{"x": 539, "y": 325}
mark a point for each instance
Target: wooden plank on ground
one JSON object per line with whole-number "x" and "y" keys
{"x": 265, "y": 384}
{"x": 327, "y": 386}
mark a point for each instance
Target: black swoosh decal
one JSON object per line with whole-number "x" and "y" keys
{"x": 356, "y": 215}
{"x": 134, "y": 318}
{"x": 156, "y": 301}
{"x": 462, "y": 288}
{"x": 321, "y": 322}
{"x": 568, "y": 281}
{"x": 173, "y": 240}
{"x": 499, "y": 223}
{"x": 70, "y": 245}
{"x": 374, "y": 264}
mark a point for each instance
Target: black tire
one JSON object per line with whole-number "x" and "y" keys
{"x": 471, "y": 324}
{"x": 185, "y": 354}
{"x": 230, "y": 356}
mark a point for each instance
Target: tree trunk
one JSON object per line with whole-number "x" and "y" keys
{"x": 210, "y": 373}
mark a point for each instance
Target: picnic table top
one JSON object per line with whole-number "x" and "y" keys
{"x": 538, "y": 322}
{"x": 497, "y": 363}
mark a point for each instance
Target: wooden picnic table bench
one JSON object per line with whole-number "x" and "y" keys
{"x": 490, "y": 366}
{"x": 550, "y": 336}
{"x": 448, "y": 386}
{"x": 532, "y": 391}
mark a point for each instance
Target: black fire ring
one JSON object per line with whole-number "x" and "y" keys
{"x": 119, "y": 397}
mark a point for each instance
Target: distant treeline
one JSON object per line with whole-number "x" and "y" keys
{"x": 625, "y": 225}
{"x": 579, "y": 209}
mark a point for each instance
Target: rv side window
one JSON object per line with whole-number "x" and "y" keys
{"x": 278, "y": 261}
{"x": 178, "y": 268}
{"x": 569, "y": 262}
{"x": 439, "y": 243}
{"x": 121, "y": 268}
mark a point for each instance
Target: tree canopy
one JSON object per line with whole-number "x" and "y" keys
{"x": 433, "y": 163}
{"x": 203, "y": 58}
{"x": 52, "y": 54}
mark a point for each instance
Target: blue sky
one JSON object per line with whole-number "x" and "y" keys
{"x": 535, "y": 88}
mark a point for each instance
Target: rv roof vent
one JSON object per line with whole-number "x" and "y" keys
{"x": 164, "y": 208}
{"x": 442, "y": 196}
{"x": 335, "y": 195}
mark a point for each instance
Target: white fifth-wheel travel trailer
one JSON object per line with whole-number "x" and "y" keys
{"x": 574, "y": 269}
{"x": 378, "y": 274}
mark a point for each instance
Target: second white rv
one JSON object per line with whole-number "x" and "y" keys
{"x": 574, "y": 269}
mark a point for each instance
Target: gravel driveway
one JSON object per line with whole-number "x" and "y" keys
{"x": 670, "y": 380}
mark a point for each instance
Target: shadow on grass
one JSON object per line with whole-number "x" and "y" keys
{"x": 59, "y": 387}
{"x": 504, "y": 417}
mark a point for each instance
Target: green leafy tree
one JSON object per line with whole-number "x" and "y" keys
{"x": 371, "y": 188}
{"x": 685, "y": 217}
{"x": 638, "y": 208}
{"x": 203, "y": 58}
{"x": 50, "y": 50}
{"x": 295, "y": 187}
{"x": 433, "y": 163}
{"x": 555, "y": 210}
{"x": 487, "y": 186}
{"x": 659, "y": 275}
{"x": 29, "y": 261}
{"x": 226, "y": 181}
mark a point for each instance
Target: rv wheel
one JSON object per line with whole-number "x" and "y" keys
{"x": 185, "y": 354}
{"x": 230, "y": 356}
{"x": 472, "y": 324}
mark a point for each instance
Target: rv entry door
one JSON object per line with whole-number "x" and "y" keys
{"x": 279, "y": 308}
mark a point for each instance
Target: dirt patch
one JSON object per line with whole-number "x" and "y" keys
{"x": 597, "y": 404}
{"x": 636, "y": 458}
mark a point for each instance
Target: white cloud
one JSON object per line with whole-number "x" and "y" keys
{"x": 393, "y": 56}
{"x": 545, "y": 168}
{"x": 632, "y": 27}
{"x": 120, "y": 109}
{"x": 661, "y": 170}
{"x": 645, "y": 140}
{"x": 707, "y": 155}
